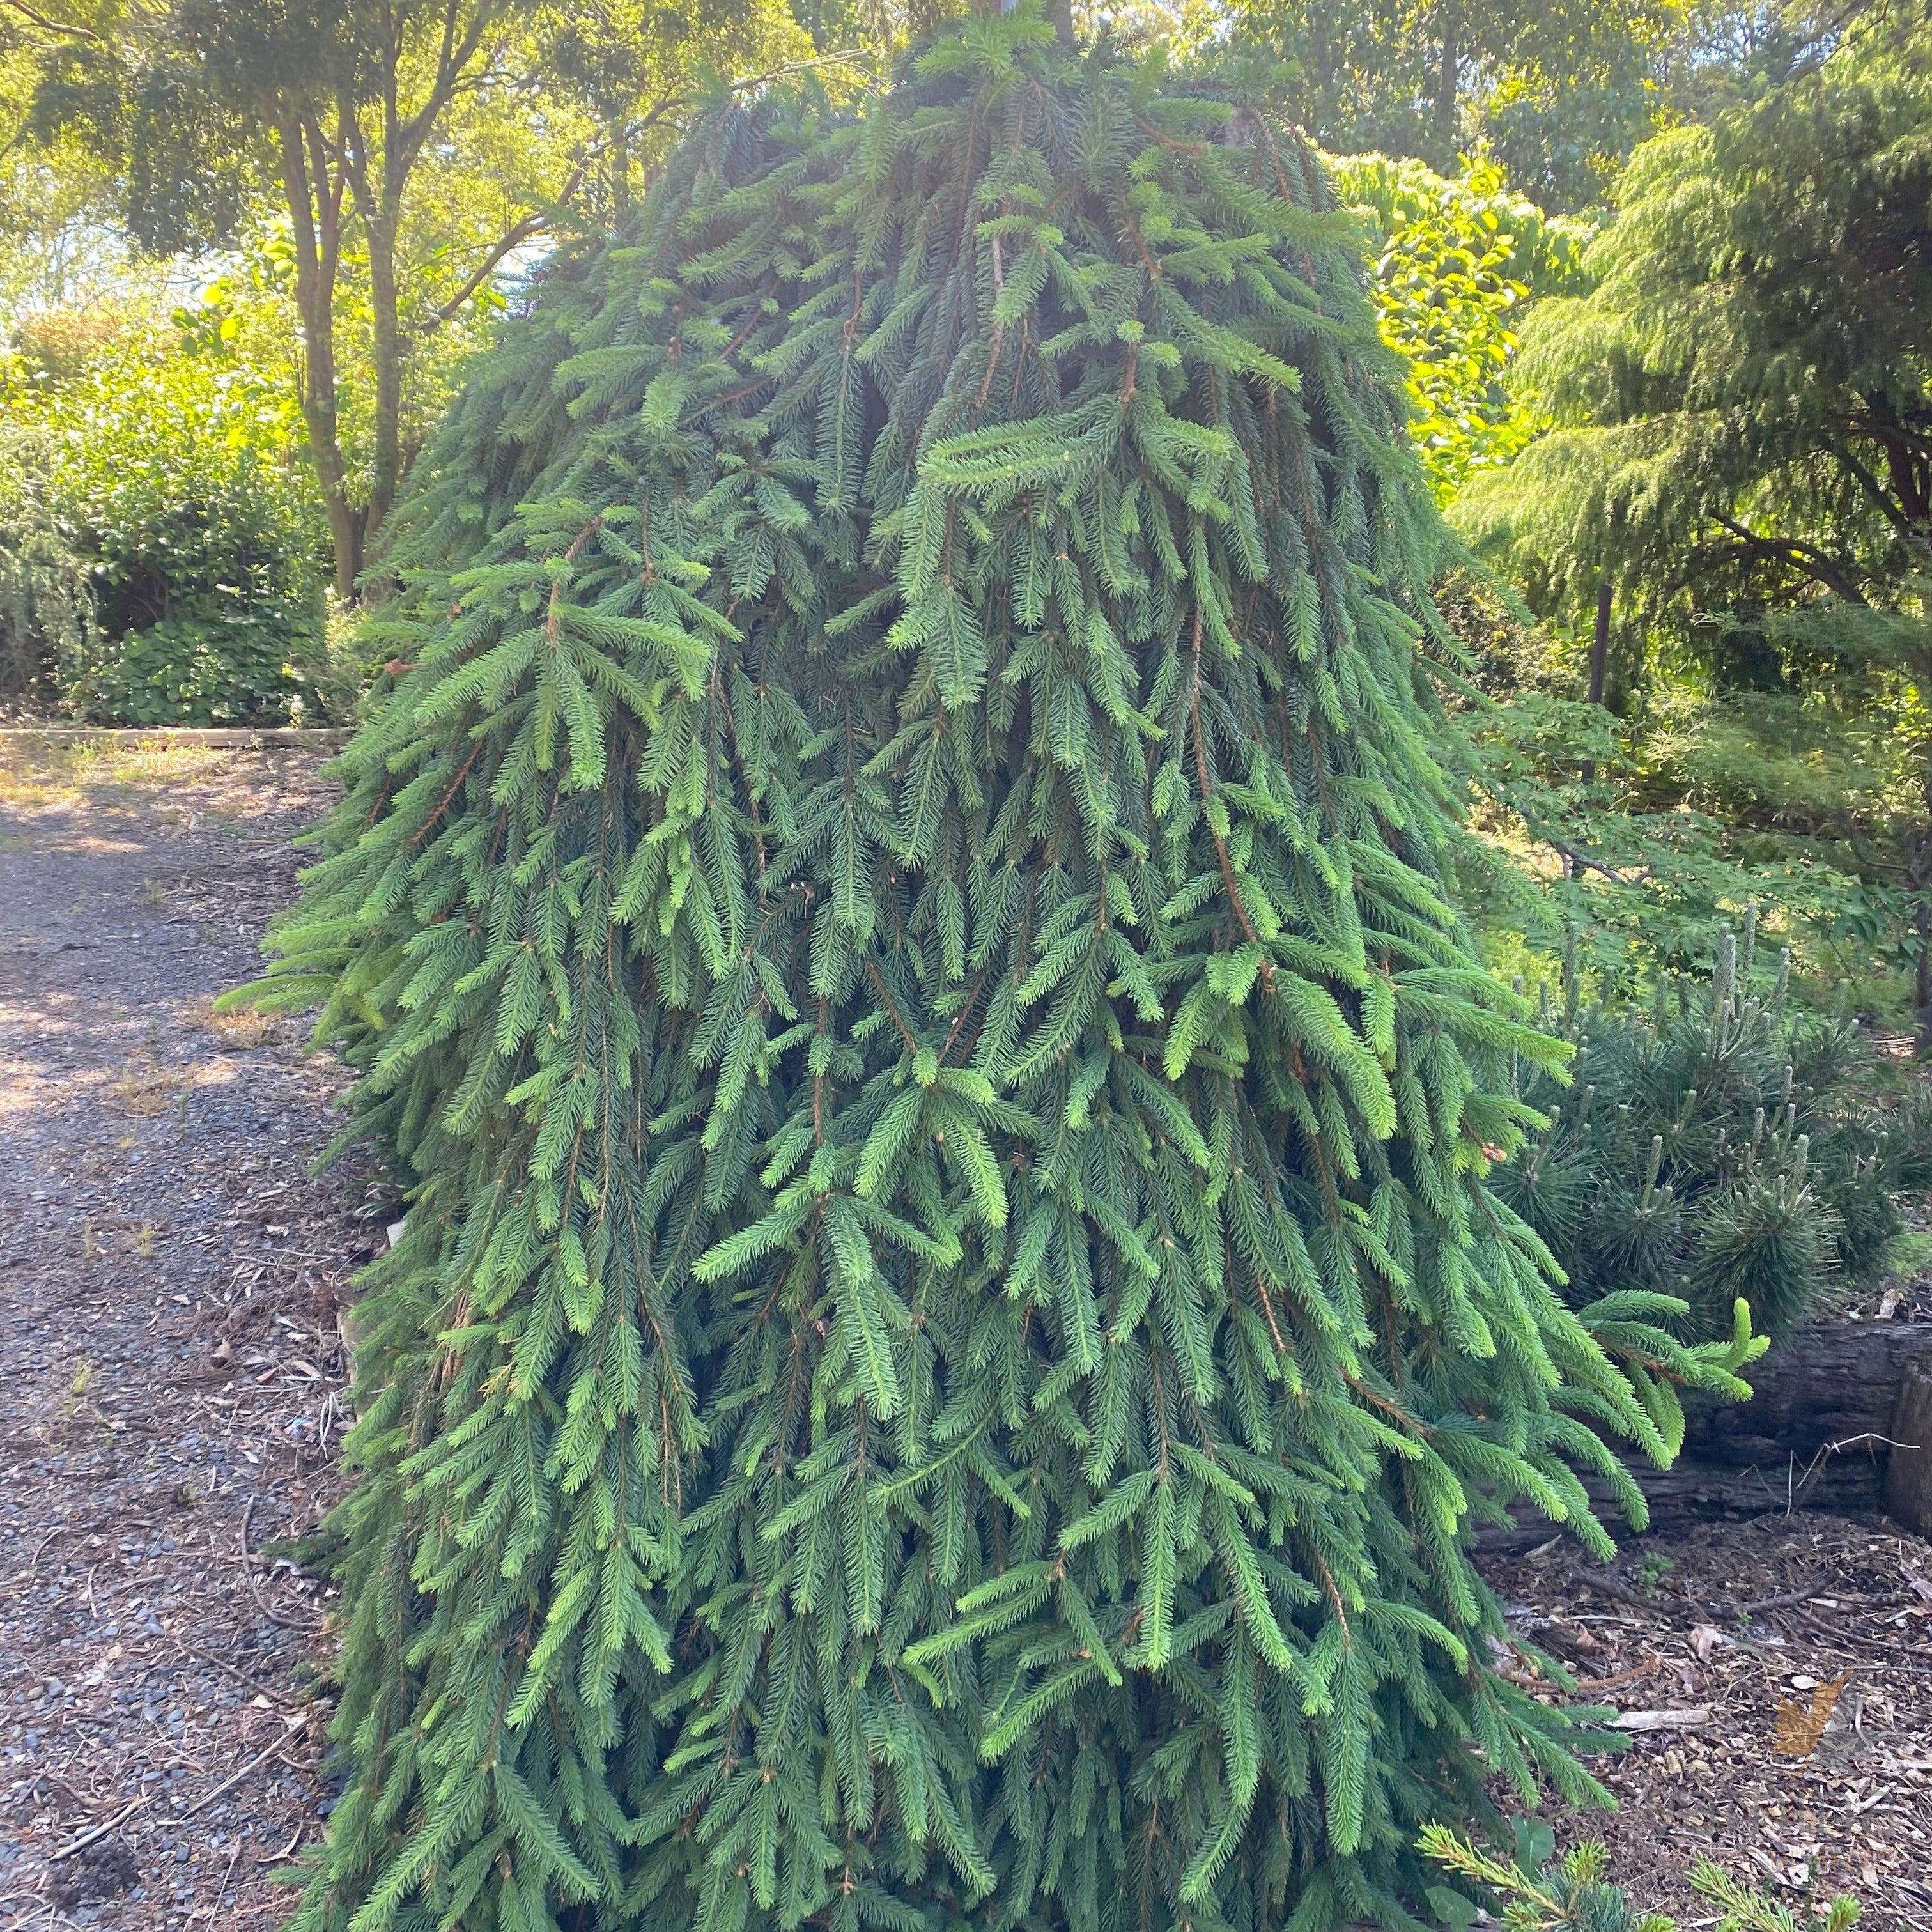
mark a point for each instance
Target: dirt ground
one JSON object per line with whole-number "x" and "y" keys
{"x": 169, "y": 1282}
{"x": 168, "y": 1276}
{"x": 1697, "y": 1638}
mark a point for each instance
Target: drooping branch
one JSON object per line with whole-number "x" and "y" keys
{"x": 536, "y": 223}
{"x": 1818, "y": 565}
{"x": 1580, "y": 861}
{"x": 1887, "y": 505}
{"x": 71, "y": 30}
{"x": 512, "y": 239}
{"x": 1908, "y": 456}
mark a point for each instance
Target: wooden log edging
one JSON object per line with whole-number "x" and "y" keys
{"x": 1908, "y": 1476}
{"x": 1834, "y": 1385}
{"x": 1840, "y": 1418}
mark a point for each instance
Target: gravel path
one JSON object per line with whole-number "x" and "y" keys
{"x": 169, "y": 1277}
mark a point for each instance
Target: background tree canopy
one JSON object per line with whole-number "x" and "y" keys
{"x": 400, "y": 154}
{"x": 1740, "y": 449}
{"x": 346, "y": 197}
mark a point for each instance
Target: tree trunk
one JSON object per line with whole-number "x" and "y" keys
{"x": 1600, "y": 643}
{"x": 1447, "y": 83}
{"x": 1922, "y": 978}
{"x": 386, "y": 346}
{"x": 618, "y": 166}
{"x": 1600, "y": 652}
{"x": 1325, "y": 118}
{"x": 314, "y": 206}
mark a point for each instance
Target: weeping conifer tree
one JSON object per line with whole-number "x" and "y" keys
{"x": 951, "y": 1325}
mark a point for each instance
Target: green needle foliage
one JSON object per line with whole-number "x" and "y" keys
{"x": 951, "y": 1314}
{"x": 1721, "y": 1149}
{"x": 1742, "y": 403}
{"x": 1540, "y": 1892}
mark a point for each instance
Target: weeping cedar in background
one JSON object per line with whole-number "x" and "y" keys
{"x": 950, "y": 1314}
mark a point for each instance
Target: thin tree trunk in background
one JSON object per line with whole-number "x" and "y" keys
{"x": 1448, "y": 82}
{"x": 314, "y": 202}
{"x": 1599, "y": 644}
{"x": 380, "y": 182}
{"x": 1921, "y": 982}
{"x": 1919, "y": 877}
{"x": 1324, "y": 78}
{"x": 377, "y": 180}
{"x": 617, "y": 167}
{"x": 1600, "y": 654}
{"x": 386, "y": 346}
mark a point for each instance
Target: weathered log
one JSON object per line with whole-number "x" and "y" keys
{"x": 1908, "y": 1476}
{"x": 1826, "y": 1388}
{"x": 1818, "y": 1431}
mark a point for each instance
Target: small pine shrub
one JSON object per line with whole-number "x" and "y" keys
{"x": 1722, "y": 1148}
{"x": 1540, "y": 1892}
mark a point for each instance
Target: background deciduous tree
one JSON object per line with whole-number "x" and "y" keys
{"x": 1562, "y": 90}
{"x": 407, "y": 151}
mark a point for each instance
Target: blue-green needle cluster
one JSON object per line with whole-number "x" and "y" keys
{"x": 951, "y": 1323}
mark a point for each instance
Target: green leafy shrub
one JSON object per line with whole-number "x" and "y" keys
{"x": 1650, "y": 832}
{"x": 168, "y": 486}
{"x": 1721, "y": 1146}
{"x": 1729, "y": 409}
{"x": 227, "y": 660}
{"x": 1457, "y": 259}
{"x": 1540, "y": 1892}
{"x": 1782, "y": 761}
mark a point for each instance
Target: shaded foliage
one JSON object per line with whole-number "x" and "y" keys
{"x": 1742, "y": 447}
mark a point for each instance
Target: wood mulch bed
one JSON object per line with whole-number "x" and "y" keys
{"x": 1696, "y": 1637}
